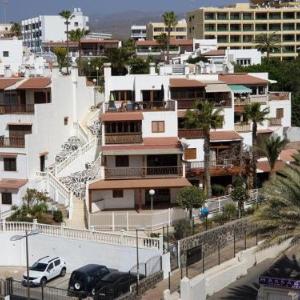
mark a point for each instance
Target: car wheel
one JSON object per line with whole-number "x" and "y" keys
{"x": 63, "y": 272}
{"x": 43, "y": 281}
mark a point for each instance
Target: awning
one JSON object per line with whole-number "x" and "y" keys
{"x": 166, "y": 145}
{"x": 139, "y": 184}
{"x": 224, "y": 136}
{"x": 7, "y": 82}
{"x": 35, "y": 83}
{"x": 122, "y": 116}
{"x": 12, "y": 184}
{"x": 217, "y": 88}
{"x": 8, "y": 154}
{"x": 239, "y": 89}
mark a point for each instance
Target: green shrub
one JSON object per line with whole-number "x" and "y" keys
{"x": 229, "y": 211}
{"x": 219, "y": 219}
{"x": 182, "y": 229}
{"x": 58, "y": 216}
{"x": 218, "y": 190}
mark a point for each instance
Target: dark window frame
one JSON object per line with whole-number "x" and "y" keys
{"x": 10, "y": 164}
{"x": 118, "y": 193}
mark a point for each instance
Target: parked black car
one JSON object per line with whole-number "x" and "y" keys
{"x": 83, "y": 281}
{"x": 115, "y": 284}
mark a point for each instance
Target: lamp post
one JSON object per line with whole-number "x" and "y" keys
{"x": 97, "y": 75}
{"x": 137, "y": 259}
{"x": 204, "y": 212}
{"x": 20, "y": 237}
{"x": 151, "y": 193}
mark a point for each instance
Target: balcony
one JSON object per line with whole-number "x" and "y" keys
{"x": 242, "y": 127}
{"x": 123, "y": 138}
{"x": 122, "y": 106}
{"x": 149, "y": 172}
{"x": 190, "y": 133}
{"x": 263, "y": 99}
{"x": 17, "y": 109}
{"x": 189, "y": 103}
{"x": 12, "y": 142}
{"x": 275, "y": 122}
{"x": 273, "y": 96}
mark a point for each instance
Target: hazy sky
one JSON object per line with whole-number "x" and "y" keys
{"x": 19, "y": 9}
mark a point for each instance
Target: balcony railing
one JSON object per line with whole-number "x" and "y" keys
{"x": 17, "y": 109}
{"x": 241, "y": 100}
{"x": 120, "y": 106}
{"x": 12, "y": 142}
{"x": 214, "y": 164}
{"x": 279, "y": 96}
{"x": 242, "y": 127}
{"x": 190, "y": 133}
{"x": 189, "y": 103}
{"x": 123, "y": 138}
{"x": 117, "y": 173}
{"x": 275, "y": 122}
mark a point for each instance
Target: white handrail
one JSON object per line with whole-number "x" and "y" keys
{"x": 89, "y": 235}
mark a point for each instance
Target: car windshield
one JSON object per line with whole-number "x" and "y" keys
{"x": 38, "y": 267}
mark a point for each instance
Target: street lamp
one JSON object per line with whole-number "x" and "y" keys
{"x": 20, "y": 237}
{"x": 151, "y": 193}
{"x": 204, "y": 212}
{"x": 97, "y": 70}
{"x": 137, "y": 258}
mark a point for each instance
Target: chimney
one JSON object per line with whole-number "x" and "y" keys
{"x": 152, "y": 69}
{"x": 107, "y": 70}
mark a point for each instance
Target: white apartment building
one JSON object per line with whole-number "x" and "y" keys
{"x": 138, "y": 32}
{"x": 37, "y": 116}
{"x": 41, "y": 29}
{"x": 146, "y": 146}
{"x": 5, "y": 29}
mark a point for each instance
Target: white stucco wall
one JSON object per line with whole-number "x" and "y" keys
{"x": 83, "y": 252}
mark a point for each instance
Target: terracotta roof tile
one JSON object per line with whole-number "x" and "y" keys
{"x": 288, "y": 154}
{"x": 60, "y": 44}
{"x": 139, "y": 183}
{"x": 182, "y": 82}
{"x": 98, "y": 41}
{"x": 216, "y": 136}
{"x": 7, "y": 82}
{"x": 12, "y": 183}
{"x": 264, "y": 166}
{"x": 122, "y": 116}
{"x": 214, "y": 53}
{"x": 241, "y": 79}
{"x": 35, "y": 83}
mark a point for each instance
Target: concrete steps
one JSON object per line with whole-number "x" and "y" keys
{"x": 77, "y": 220}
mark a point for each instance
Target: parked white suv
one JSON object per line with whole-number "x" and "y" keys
{"x": 44, "y": 270}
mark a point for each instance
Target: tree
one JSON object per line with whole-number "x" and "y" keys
{"x": 267, "y": 43}
{"x": 170, "y": 20}
{"x": 272, "y": 147}
{"x": 15, "y": 29}
{"x": 61, "y": 56}
{"x": 67, "y": 15}
{"x": 239, "y": 195}
{"x": 77, "y": 35}
{"x": 279, "y": 214}
{"x": 205, "y": 117}
{"x": 119, "y": 59}
{"x": 256, "y": 115}
{"x": 138, "y": 65}
{"x": 190, "y": 197}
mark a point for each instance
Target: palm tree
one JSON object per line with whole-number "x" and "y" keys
{"x": 15, "y": 29}
{"x": 204, "y": 116}
{"x": 272, "y": 147}
{"x": 267, "y": 43}
{"x": 67, "y": 15}
{"x": 256, "y": 115}
{"x": 170, "y": 20}
{"x": 119, "y": 59}
{"x": 78, "y": 34}
{"x": 279, "y": 213}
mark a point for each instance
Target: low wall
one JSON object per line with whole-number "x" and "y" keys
{"x": 76, "y": 252}
{"x": 217, "y": 278}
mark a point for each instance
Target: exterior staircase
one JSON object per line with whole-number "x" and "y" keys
{"x": 77, "y": 218}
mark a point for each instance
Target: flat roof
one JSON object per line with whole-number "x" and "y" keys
{"x": 139, "y": 183}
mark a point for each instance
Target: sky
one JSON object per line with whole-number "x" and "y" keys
{"x": 20, "y": 9}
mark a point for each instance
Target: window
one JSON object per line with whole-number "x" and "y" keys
{"x": 5, "y": 53}
{"x": 190, "y": 153}
{"x": 57, "y": 263}
{"x": 118, "y": 194}
{"x": 122, "y": 161}
{"x": 76, "y": 24}
{"x": 50, "y": 267}
{"x": 158, "y": 126}
{"x": 66, "y": 120}
{"x": 7, "y": 198}
{"x": 279, "y": 113}
{"x": 10, "y": 164}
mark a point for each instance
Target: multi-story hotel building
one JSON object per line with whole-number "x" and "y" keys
{"x": 237, "y": 26}
{"x": 146, "y": 146}
{"x": 154, "y": 29}
{"x": 38, "y": 30}
{"x": 138, "y": 32}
